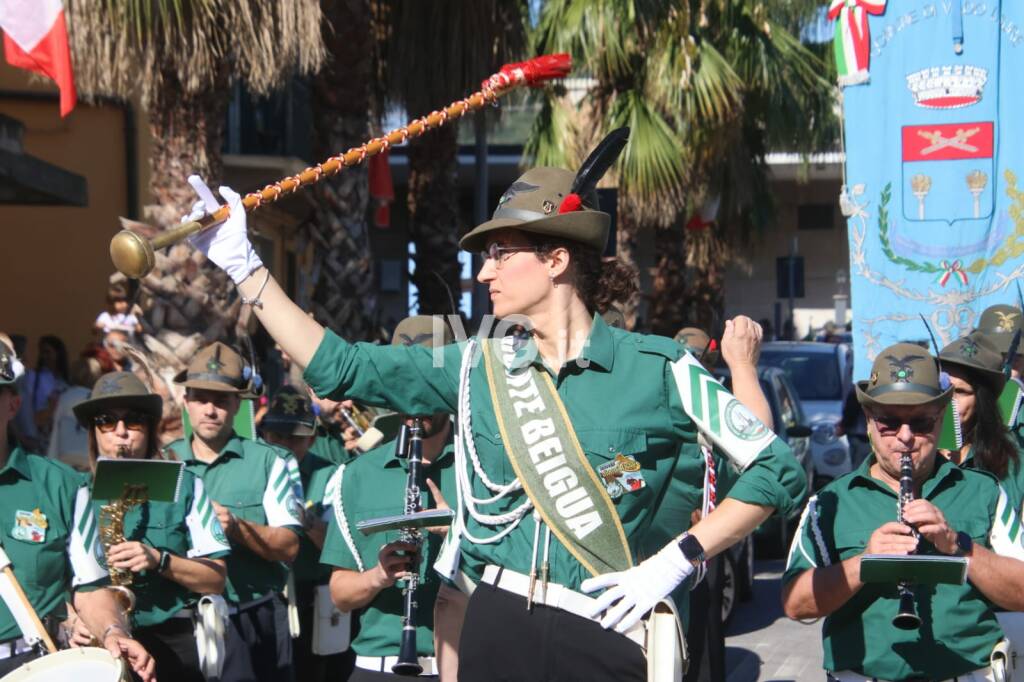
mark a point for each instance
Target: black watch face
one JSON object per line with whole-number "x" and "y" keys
{"x": 964, "y": 542}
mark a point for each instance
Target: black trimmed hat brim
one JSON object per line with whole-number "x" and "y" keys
{"x": 907, "y": 397}
{"x": 150, "y": 404}
{"x": 181, "y": 378}
{"x": 288, "y": 427}
{"x": 571, "y": 226}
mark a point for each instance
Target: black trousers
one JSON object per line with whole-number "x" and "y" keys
{"x": 12, "y": 663}
{"x": 308, "y": 666}
{"x": 503, "y": 641}
{"x": 706, "y": 636}
{"x": 264, "y": 631}
{"x": 172, "y": 644}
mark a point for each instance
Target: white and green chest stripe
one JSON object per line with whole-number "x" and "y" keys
{"x": 84, "y": 549}
{"x": 205, "y": 533}
{"x": 1006, "y": 537}
{"x": 282, "y": 498}
{"x": 734, "y": 430}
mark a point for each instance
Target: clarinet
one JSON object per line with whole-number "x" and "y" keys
{"x": 907, "y": 618}
{"x": 408, "y": 660}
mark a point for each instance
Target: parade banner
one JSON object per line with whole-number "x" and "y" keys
{"x": 934, "y": 193}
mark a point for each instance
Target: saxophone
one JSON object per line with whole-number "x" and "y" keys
{"x": 111, "y": 532}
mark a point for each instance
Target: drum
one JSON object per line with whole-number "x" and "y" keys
{"x": 86, "y": 664}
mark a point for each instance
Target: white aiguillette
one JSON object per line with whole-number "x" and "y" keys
{"x": 914, "y": 569}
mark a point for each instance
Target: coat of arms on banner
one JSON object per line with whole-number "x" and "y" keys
{"x": 934, "y": 207}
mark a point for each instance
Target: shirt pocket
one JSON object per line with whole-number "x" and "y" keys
{"x": 39, "y": 563}
{"x": 493, "y": 458}
{"x": 246, "y": 504}
{"x": 847, "y": 543}
{"x": 618, "y": 458}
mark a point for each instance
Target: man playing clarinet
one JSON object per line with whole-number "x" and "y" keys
{"x": 944, "y": 510}
{"x": 367, "y": 567}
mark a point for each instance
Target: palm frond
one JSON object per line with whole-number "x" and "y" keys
{"x": 124, "y": 47}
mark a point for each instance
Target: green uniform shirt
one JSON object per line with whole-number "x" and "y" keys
{"x": 188, "y": 528}
{"x": 1012, "y": 482}
{"x": 330, "y": 445}
{"x": 315, "y": 472}
{"x": 374, "y": 486}
{"x": 257, "y": 482}
{"x": 621, "y": 398}
{"x": 49, "y": 534}
{"x": 958, "y": 628}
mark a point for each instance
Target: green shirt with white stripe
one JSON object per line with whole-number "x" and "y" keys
{"x": 315, "y": 472}
{"x": 187, "y": 527}
{"x": 260, "y": 483}
{"x": 374, "y": 486}
{"x": 959, "y": 627}
{"x": 49, "y": 534}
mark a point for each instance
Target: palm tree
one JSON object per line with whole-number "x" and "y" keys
{"x": 178, "y": 57}
{"x": 433, "y": 52}
{"x": 344, "y": 107}
{"x": 707, "y": 86}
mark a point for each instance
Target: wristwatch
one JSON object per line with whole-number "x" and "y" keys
{"x": 692, "y": 550}
{"x": 964, "y": 544}
{"x": 165, "y": 561}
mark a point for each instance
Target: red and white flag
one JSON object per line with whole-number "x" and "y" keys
{"x": 36, "y": 39}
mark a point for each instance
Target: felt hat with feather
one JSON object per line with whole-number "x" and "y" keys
{"x": 554, "y": 202}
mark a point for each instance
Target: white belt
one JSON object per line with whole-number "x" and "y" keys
{"x": 979, "y": 675}
{"x": 382, "y": 664}
{"x": 14, "y": 647}
{"x": 234, "y": 609}
{"x": 554, "y": 595}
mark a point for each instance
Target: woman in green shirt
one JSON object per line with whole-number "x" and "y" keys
{"x": 174, "y": 550}
{"x": 975, "y": 368}
{"x": 604, "y": 424}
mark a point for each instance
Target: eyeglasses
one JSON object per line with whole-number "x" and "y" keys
{"x": 890, "y": 426}
{"x": 499, "y": 253}
{"x": 133, "y": 421}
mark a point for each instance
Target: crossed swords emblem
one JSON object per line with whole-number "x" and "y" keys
{"x": 940, "y": 141}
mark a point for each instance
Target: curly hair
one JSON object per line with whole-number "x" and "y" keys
{"x": 600, "y": 282}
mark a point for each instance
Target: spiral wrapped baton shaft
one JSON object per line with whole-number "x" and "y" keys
{"x": 532, "y": 73}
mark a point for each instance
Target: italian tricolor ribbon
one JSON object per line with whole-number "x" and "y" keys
{"x": 852, "y": 42}
{"x": 950, "y": 270}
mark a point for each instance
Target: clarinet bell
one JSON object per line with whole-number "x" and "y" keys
{"x": 408, "y": 664}
{"x": 907, "y": 618}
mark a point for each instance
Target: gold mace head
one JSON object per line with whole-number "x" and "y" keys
{"x": 132, "y": 254}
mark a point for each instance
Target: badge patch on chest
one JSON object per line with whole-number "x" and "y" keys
{"x": 621, "y": 475}
{"x": 29, "y": 526}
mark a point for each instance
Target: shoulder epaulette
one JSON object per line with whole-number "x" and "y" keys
{"x": 659, "y": 345}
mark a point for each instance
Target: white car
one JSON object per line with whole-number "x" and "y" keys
{"x": 822, "y": 375}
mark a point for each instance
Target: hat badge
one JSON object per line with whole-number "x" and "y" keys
{"x": 968, "y": 349}
{"x": 110, "y": 385}
{"x": 900, "y": 369}
{"x": 1005, "y": 323}
{"x": 290, "y": 403}
{"x": 214, "y": 364}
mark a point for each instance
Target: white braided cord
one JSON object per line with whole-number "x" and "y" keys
{"x": 339, "y": 516}
{"x": 465, "y": 501}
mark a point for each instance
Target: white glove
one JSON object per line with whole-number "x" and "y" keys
{"x": 639, "y": 589}
{"x": 227, "y": 244}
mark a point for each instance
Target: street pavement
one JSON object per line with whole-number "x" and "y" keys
{"x": 762, "y": 644}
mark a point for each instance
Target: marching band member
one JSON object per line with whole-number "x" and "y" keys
{"x": 948, "y": 511}
{"x": 175, "y": 549}
{"x": 51, "y": 541}
{"x": 256, "y": 493}
{"x": 366, "y": 567}
{"x": 568, "y": 435}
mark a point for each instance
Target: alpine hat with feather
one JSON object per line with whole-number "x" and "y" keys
{"x": 555, "y": 202}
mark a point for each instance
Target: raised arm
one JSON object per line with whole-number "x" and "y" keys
{"x": 410, "y": 382}
{"x": 741, "y": 348}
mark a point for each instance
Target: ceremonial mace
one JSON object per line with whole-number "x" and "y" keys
{"x": 134, "y": 255}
